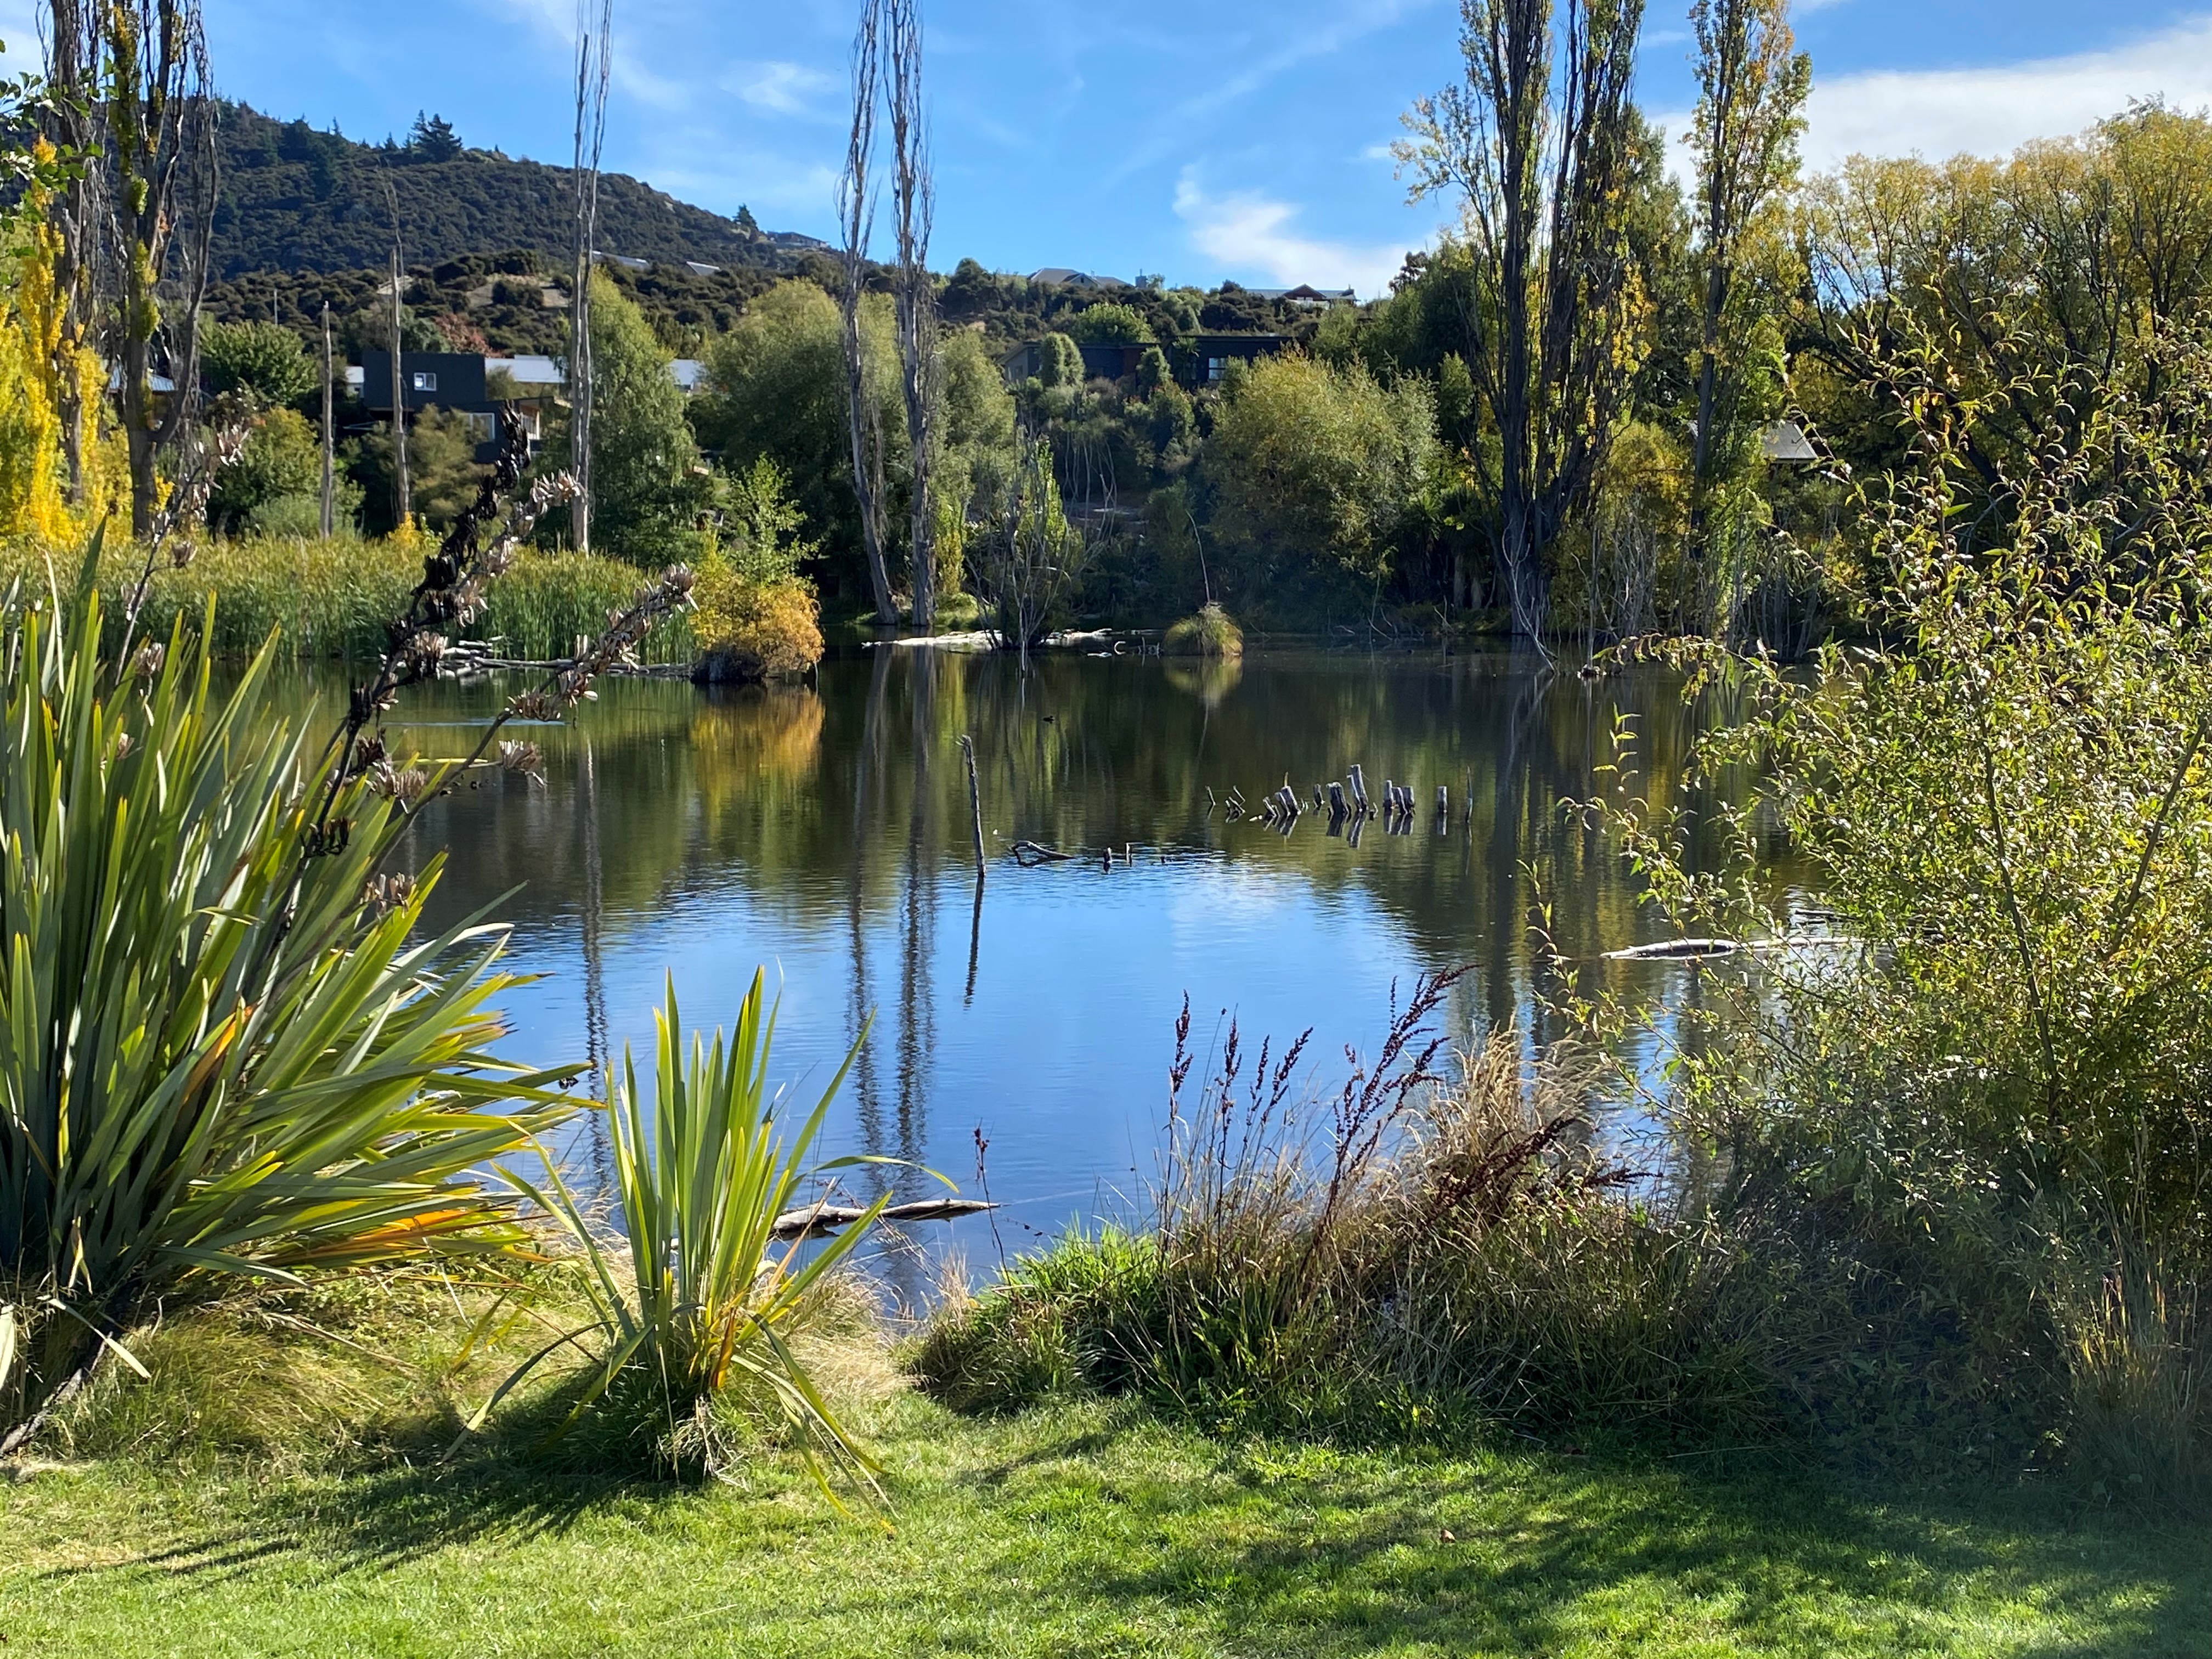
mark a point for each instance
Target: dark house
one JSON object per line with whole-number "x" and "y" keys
{"x": 1198, "y": 361}
{"x": 435, "y": 380}
{"x": 1100, "y": 362}
{"x": 1205, "y": 358}
{"x": 1111, "y": 362}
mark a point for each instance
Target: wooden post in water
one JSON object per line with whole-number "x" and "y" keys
{"x": 974, "y": 801}
{"x": 1358, "y": 789}
{"x": 1444, "y": 810}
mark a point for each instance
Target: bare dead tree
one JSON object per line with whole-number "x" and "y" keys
{"x": 856, "y": 211}
{"x": 330, "y": 376}
{"x": 1024, "y": 565}
{"x": 594, "y": 67}
{"x": 403, "y": 494}
{"x": 914, "y": 191}
{"x": 138, "y": 102}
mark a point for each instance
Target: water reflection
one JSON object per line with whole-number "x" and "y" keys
{"x": 824, "y": 830}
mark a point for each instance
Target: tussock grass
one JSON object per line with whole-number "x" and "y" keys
{"x": 1422, "y": 1250}
{"x": 1208, "y": 633}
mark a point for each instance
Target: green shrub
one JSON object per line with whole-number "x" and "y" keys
{"x": 1982, "y": 1108}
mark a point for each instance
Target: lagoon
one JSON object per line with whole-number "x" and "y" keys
{"x": 823, "y": 831}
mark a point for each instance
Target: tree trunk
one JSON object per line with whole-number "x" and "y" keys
{"x": 330, "y": 376}
{"x": 403, "y": 503}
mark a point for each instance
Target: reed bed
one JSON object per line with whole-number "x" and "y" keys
{"x": 335, "y": 599}
{"x": 1436, "y": 1243}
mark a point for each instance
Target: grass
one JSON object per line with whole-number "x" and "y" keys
{"x": 334, "y": 599}
{"x": 1079, "y": 1530}
{"x": 183, "y": 1518}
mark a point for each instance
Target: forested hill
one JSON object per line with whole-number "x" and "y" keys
{"x": 294, "y": 199}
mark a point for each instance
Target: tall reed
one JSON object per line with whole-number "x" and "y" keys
{"x": 335, "y": 599}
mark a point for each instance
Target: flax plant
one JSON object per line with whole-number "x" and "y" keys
{"x": 210, "y": 1064}
{"x": 695, "y": 1308}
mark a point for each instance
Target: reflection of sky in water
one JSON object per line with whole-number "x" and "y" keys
{"x": 825, "y": 835}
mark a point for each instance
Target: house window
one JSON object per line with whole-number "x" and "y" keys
{"x": 426, "y": 380}
{"x": 1215, "y": 368}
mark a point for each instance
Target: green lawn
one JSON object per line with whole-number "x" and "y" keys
{"x": 1084, "y": 1530}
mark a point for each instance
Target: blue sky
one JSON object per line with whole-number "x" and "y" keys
{"x": 1212, "y": 139}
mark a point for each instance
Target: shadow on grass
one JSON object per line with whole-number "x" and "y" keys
{"x": 1770, "y": 1561}
{"x": 1078, "y": 1528}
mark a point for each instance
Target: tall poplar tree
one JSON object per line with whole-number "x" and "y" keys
{"x": 1750, "y": 112}
{"x": 1538, "y": 141}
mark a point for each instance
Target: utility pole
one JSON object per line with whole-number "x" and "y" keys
{"x": 328, "y": 375}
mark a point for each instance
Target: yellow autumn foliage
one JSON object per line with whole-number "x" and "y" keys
{"x": 754, "y": 630}
{"x": 38, "y": 360}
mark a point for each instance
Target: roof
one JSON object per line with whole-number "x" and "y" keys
{"x": 1306, "y": 293}
{"x": 527, "y": 370}
{"x": 794, "y": 239}
{"x": 1785, "y": 441}
{"x": 623, "y": 260}
{"x": 699, "y": 270}
{"x": 1067, "y": 277}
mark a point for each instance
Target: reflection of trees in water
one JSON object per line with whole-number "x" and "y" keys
{"x": 845, "y": 808}
{"x": 595, "y": 977}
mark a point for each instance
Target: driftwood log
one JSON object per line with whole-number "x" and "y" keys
{"x": 814, "y": 1220}
{"x": 1678, "y": 950}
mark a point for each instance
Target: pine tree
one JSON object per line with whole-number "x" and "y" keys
{"x": 433, "y": 139}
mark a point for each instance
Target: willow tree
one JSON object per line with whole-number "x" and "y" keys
{"x": 139, "y": 105}
{"x": 1538, "y": 141}
{"x": 1750, "y": 112}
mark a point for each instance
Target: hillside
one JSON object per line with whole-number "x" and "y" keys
{"x": 304, "y": 221}
{"x": 294, "y": 199}
{"x": 506, "y": 302}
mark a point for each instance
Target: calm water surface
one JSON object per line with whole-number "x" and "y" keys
{"x": 824, "y": 834}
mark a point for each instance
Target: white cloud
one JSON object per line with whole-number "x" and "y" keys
{"x": 1988, "y": 110}
{"x": 1993, "y": 108}
{"x": 1248, "y": 231}
{"x": 780, "y": 88}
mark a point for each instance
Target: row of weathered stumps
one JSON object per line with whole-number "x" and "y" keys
{"x": 1346, "y": 803}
